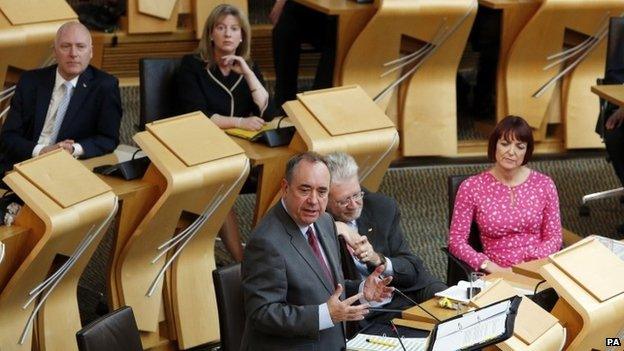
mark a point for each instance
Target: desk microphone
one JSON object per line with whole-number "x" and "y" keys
{"x": 375, "y": 309}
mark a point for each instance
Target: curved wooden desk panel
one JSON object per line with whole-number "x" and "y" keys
{"x": 187, "y": 298}
{"x": 372, "y": 149}
{"x": 28, "y": 45}
{"x": 515, "y": 15}
{"x": 54, "y": 230}
{"x": 427, "y": 110}
{"x": 587, "y": 319}
{"x": 555, "y": 24}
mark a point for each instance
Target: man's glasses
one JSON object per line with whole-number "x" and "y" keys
{"x": 355, "y": 198}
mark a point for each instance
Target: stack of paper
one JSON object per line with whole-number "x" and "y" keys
{"x": 459, "y": 292}
{"x": 366, "y": 342}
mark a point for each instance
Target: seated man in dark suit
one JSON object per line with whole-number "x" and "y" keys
{"x": 292, "y": 279}
{"x": 70, "y": 105}
{"x": 370, "y": 225}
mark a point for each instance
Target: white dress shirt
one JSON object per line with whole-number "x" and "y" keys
{"x": 48, "y": 125}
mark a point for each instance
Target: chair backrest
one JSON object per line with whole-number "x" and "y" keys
{"x": 456, "y": 269}
{"x": 157, "y": 89}
{"x": 615, "y": 46}
{"x": 115, "y": 331}
{"x": 228, "y": 289}
{"x": 454, "y": 181}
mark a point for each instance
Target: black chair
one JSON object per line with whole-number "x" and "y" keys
{"x": 227, "y": 281}
{"x": 615, "y": 54}
{"x": 457, "y": 269}
{"x": 115, "y": 331}
{"x": 157, "y": 89}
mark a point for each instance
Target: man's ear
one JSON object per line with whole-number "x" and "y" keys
{"x": 284, "y": 186}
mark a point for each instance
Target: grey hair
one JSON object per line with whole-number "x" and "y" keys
{"x": 342, "y": 166}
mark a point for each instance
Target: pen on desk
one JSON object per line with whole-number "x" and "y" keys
{"x": 380, "y": 342}
{"x": 396, "y": 331}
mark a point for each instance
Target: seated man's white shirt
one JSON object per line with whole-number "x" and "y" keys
{"x": 48, "y": 125}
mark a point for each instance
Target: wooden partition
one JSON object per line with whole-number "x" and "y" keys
{"x": 27, "y": 30}
{"x": 149, "y": 16}
{"x": 67, "y": 210}
{"x": 554, "y": 59}
{"x": 412, "y": 49}
{"x": 514, "y": 16}
{"x": 588, "y": 279}
{"x": 534, "y": 330}
{"x": 165, "y": 269}
{"x": 345, "y": 119}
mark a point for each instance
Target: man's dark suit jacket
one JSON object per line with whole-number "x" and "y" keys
{"x": 283, "y": 286}
{"x": 92, "y": 118}
{"x": 380, "y": 222}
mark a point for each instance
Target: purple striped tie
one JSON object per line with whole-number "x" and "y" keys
{"x": 316, "y": 248}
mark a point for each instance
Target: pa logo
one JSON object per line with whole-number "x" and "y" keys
{"x": 613, "y": 342}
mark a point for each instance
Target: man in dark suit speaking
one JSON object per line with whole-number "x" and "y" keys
{"x": 292, "y": 280}
{"x": 370, "y": 224}
{"x": 70, "y": 105}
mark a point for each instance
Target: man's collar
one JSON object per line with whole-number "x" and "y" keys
{"x": 59, "y": 80}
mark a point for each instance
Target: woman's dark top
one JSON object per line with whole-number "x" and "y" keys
{"x": 209, "y": 91}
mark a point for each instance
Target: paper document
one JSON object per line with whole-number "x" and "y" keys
{"x": 250, "y": 134}
{"x": 459, "y": 292}
{"x": 383, "y": 343}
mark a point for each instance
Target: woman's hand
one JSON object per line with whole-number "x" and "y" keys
{"x": 251, "y": 123}
{"x": 237, "y": 64}
{"x": 616, "y": 119}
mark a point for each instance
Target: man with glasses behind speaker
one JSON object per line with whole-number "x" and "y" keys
{"x": 370, "y": 224}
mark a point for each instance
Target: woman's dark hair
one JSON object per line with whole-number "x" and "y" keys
{"x": 511, "y": 127}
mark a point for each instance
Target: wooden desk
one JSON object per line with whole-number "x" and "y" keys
{"x": 515, "y": 15}
{"x": 272, "y": 161}
{"x": 530, "y": 269}
{"x": 352, "y": 17}
{"x": 614, "y": 93}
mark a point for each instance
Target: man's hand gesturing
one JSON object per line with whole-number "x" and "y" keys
{"x": 375, "y": 288}
{"x": 341, "y": 311}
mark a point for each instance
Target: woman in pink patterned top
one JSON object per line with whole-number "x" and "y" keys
{"x": 516, "y": 208}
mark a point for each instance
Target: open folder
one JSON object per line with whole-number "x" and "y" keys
{"x": 476, "y": 329}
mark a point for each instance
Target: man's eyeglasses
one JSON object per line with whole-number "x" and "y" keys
{"x": 355, "y": 198}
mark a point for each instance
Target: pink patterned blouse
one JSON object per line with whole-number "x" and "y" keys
{"x": 517, "y": 224}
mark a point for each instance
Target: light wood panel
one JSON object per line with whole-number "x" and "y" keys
{"x": 54, "y": 234}
{"x": 426, "y": 111}
{"x": 351, "y": 17}
{"x": 142, "y": 23}
{"x": 587, "y": 320}
{"x": 534, "y": 328}
{"x": 613, "y": 93}
{"x": 372, "y": 149}
{"x": 27, "y": 30}
{"x": 184, "y": 300}
{"x": 515, "y": 15}
{"x": 555, "y": 24}
{"x": 162, "y": 9}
